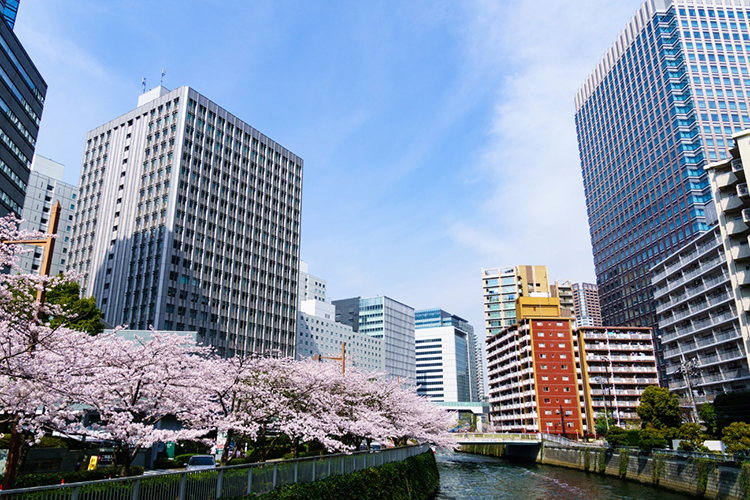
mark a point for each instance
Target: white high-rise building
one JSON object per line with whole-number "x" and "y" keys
{"x": 189, "y": 219}
{"x": 447, "y": 368}
{"x": 45, "y": 187}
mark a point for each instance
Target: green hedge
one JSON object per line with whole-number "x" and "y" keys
{"x": 50, "y": 478}
{"x": 415, "y": 478}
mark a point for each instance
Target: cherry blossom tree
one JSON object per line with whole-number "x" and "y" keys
{"x": 32, "y": 352}
{"x": 227, "y": 385}
{"x": 134, "y": 384}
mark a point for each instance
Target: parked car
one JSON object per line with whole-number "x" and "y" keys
{"x": 201, "y": 462}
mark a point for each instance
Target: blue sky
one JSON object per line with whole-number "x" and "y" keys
{"x": 438, "y": 137}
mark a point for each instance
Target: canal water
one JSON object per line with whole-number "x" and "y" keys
{"x": 465, "y": 476}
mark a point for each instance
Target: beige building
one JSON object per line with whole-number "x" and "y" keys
{"x": 563, "y": 290}
{"x": 617, "y": 364}
{"x": 586, "y": 304}
{"x": 501, "y": 288}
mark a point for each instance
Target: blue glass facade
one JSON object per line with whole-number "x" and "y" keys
{"x": 662, "y": 103}
{"x": 10, "y": 10}
{"x": 22, "y": 92}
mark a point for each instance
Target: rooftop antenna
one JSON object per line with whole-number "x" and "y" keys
{"x": 143, "y": 82}
{"x": 163, "y": 72}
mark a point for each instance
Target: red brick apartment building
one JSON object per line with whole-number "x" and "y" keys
{"x": 534, "y": 378}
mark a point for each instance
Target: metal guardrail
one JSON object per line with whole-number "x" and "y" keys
{"x": 718, "y": 457}
{"x": 222, "y": 482}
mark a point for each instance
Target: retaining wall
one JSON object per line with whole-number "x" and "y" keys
{"x": 699, "y": 477}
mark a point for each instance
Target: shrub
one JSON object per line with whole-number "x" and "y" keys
{"x": 290, "y": 455}
{"x": 736, "y": 438}
{"x": 50, "y": 478}
{"x": 692, "y": 437}
{"x": 649, "y": 438}
{"x": 165, "y": 463}
{"x": 415, "y": 478}
{"x": 633, "y": 436}
{"x": 617, "y": 436}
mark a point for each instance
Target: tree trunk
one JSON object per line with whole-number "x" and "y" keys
{"x": 295, "y": 447}
{"x": 123, "y": 459}
{"x": 14, "y": 455}
{"x": 262, "y": 445}
{"x": 225, "y": 457}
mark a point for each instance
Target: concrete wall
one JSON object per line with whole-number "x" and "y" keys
{"x": 704, "y": 478}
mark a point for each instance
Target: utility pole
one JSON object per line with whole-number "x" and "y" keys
{"x": 318, "y": 357}
{"x": 604, "y": 398}
{"x": 562, "y": 422}
{"x": 688, "y": 368}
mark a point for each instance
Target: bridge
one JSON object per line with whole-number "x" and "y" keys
{"x": 516, "y": 438}
{"x": 534, "y": 439}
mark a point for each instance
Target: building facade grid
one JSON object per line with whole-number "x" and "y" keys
{"x": 188, "y": 219}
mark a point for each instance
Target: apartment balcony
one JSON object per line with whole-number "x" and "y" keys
{"x": 740, "y": 252}
{"x": 737, "y": 226}
{"x": 726, "y": 178}
{"x": 730, "y": 202}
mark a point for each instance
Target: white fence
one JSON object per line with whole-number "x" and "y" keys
{"x": 222, "y": 482}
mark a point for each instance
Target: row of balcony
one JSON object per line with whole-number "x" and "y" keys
{"x": 617, "y": 392}
{"x": 616, "y": 336}
{"x": 689, "y": 347}
{"x": 697, "y": 326}
{"x": 616, "y": 346}
{"x": 710, "y": 379}
{"x": 625, "y": 381}
{"x": 703, "y": 361}
{"x": 686, "y": 259}
{"x": 619, "y": 358}
{"x": 691, "y": 292}
{"x": 622, "y": 369}
{"x": 703, "y": 268}
{"x": 695, "y": 309}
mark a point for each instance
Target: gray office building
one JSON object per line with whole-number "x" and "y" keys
{"x": 189, "y": 219}
{"x": 22, "y": 92}
{"x": 384, "y": 318}
{"x": 44, "y": 189}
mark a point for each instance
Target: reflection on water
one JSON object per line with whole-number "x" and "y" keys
{"x": 465, "y": 476}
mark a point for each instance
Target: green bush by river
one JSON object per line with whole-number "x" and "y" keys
{"x": 415, "y": 478}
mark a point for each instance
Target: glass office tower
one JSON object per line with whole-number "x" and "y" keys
{"x": 22, "y": 92}
{"x": 663, "y": 102}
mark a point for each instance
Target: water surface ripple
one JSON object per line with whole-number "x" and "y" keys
{"x": 465, "y": 476}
